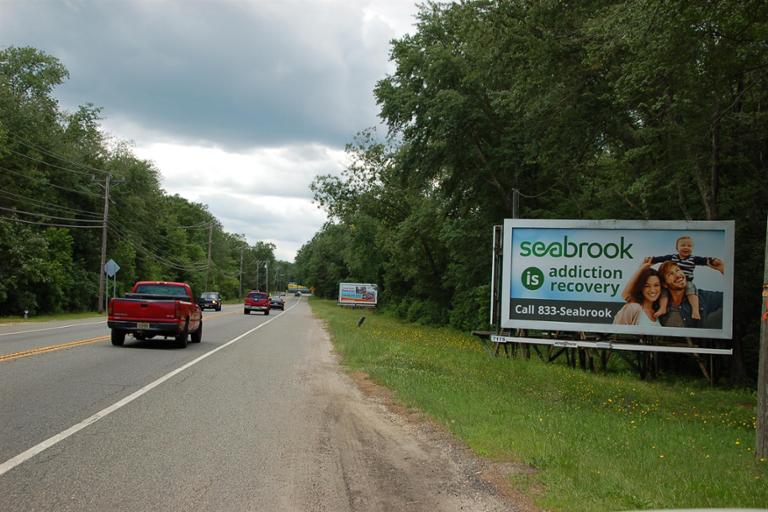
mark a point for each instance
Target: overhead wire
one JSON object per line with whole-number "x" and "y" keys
{"x": 49, "y": 164}
{"x": 163, "y": 238}
{"x": 56, "y": 155}
{"x": 70, "y": 219}
{"x": 45, "y": 204}
{"x": 124, "y": 236}
{"x": 83, "y": 192}
{"x": 73, "y": 226}
{"x": 146, "y": 252}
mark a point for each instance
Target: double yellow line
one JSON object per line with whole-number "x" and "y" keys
{"x": 51, "y": 348}
{"x": 62, "y": 346}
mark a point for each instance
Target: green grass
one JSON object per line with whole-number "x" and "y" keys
{"x": 598, "y": 442}
{"x": 48, "y": 318}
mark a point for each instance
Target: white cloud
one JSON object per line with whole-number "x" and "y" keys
{"x": 263, "y": 194}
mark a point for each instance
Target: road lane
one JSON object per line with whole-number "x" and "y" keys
{"x": 37, "y": 336}
{"x": 47, "y": 393}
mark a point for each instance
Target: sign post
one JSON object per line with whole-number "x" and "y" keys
{"x": 110, "y": 268}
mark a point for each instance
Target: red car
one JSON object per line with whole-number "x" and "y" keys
{"x": 256, "y": 301}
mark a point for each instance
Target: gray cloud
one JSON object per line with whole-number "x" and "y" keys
{"x": 239, "y": 104}
{"x": 232, "y": 74}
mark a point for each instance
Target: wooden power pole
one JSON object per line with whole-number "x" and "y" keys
{"x": 105, "y": 220}
{"x": 208, "y": 267}
{"x": 241, "y": 272}
{"x": 761, "y": 445}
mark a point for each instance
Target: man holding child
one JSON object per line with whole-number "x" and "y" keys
{"x": 679, "y": 310}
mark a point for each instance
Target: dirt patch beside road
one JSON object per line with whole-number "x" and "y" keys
{"x": 417, "y": 423}
{"x": 391, "y": 458}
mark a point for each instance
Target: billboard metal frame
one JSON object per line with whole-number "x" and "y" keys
{"x": 518, "y": 333}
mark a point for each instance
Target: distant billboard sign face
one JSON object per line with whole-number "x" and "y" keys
{"x": 665, "y": 278}
{"x": 358, "y": 293}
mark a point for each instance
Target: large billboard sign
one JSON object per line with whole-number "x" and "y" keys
{"x": 360, "y": 294}
{"x": 665, "y": 278}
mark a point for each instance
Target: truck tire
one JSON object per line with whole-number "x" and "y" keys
{"x": 266, "y": 312}
{"x": 246, "y": 312}
{"x": 118, "y": 337}
{"x": 181, "y": 339}
{"x": 197, "y": 336}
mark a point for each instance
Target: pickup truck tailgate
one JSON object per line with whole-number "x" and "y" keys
{"x": 145, "y": 310}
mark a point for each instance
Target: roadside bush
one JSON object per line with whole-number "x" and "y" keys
{"x": 471, "y": 308}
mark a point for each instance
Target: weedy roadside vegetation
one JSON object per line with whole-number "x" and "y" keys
{"x": 48, "y": 318}
{"x": 597, "y": 441}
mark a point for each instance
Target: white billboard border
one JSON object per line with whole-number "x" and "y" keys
{"x": 359, "y": 304}
{"x": 728, "y": 226}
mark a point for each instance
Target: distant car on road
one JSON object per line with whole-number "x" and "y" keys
{"x": 277, "y": 303}
{"x": 256, "y": 301}
{"x": 210, "y": 300}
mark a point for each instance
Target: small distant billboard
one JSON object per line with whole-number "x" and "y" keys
{"x": 358, "y": 294}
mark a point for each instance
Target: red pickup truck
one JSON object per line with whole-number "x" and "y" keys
{"x": 156, "y": 308}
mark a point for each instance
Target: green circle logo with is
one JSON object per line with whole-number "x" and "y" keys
{"x": 532, "y": 278}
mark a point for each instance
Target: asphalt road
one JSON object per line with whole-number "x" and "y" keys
{"x": 258, "y": 416}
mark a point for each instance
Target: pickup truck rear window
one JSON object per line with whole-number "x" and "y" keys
{"x": 162, "y": 289}
{"x": 257, "y": 296}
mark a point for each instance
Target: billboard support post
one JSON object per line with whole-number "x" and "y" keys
{"x": 496, "y": 278}
{"x": 761, "y": 444}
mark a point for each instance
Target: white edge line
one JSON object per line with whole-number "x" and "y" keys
{"x": 51, "y": 441}
{"x": 53, "y": 328}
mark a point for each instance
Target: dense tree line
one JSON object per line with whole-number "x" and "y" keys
{"x": 53, "y": 169}
{"x": 641, "y": 109}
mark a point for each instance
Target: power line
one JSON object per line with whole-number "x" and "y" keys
{"x": 70, "y": 219}
{"x": 50, "y": 206}
{"x": 143, "y": 250}
{"x": 56, "y": 155}
{"x": 11, "y": 219}
{"x": 197, "y": 267}
{"x": 203, "y": 224}
{"x": 84, "y": 192}
{"x": 158, "y": 236}
{"x": 49, "y": 164}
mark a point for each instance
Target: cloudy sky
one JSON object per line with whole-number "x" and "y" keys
{"x": 239, "y": 104}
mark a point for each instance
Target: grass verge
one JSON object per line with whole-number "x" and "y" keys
{"x": 598, "y": 442}
{"x": 48, "y": 318}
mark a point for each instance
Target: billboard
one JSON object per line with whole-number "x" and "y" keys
{"x": 360, "y": 294}
{"x": 665, "y": 278}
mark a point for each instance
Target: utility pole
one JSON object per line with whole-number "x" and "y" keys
{"x": 761, "y": 444}
{"x": 515, "y": 202}
{"x": 208, "y": 268}
{"x": 266, "y": 273}
{"x": 241, "y": 272}
{"x": 105, "y": 219}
